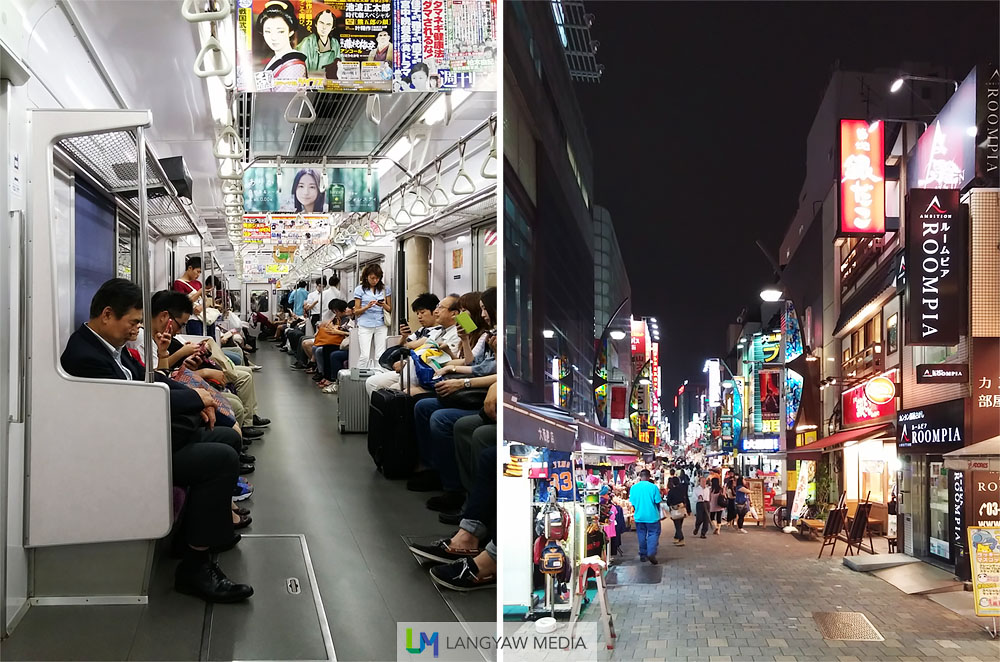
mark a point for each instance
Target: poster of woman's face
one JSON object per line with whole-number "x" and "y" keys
{"x": 287, "y": 45}
{"x": 306, "y": 195}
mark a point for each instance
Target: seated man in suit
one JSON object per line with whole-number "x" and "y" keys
{"x": 205, "y": 456}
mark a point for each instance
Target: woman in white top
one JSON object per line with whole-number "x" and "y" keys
{"x": 372, "y": 299}
{"x": 702, "y": 498}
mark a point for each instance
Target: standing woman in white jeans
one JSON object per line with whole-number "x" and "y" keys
{"x": 372, "y": 298}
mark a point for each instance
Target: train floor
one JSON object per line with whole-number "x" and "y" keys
{"x": 322, "y": 518}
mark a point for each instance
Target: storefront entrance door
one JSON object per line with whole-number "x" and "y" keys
{"x": 938, "y": 500}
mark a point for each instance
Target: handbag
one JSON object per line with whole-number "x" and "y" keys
{"x": 466, "y": 398}
{"x": 678, "y": 512}
{"x": 722, "y": 500}
{"x": 387, "y": 317}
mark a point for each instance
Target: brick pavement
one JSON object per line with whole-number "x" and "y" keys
{"x": 751, "y": 596}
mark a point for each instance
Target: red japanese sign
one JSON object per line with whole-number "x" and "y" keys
{"x": 870, "y": 401}
{"x": 862, "y": 178}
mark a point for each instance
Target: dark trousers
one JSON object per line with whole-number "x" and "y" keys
{"x": 702, "y": 520}
{"x": 472, "y": 436}
{"x": 314, "y": 320}
{"x": 679, "y": 528}
{"x": 717, "y": 516}
{"x": 209, "y": 468}
{"x": 294, "y": 337}
{"x": 481, "y": 504}
{"x": 741, "y": 513}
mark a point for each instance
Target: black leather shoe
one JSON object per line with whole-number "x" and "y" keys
{"x": 246, "y": 469}
{"x": 259, "y": 422}
{"x": 247, "y": 459}
{"x": 453, "y": 519}
{"x": 252, "y": 433}
{"x": 209, "y": 583}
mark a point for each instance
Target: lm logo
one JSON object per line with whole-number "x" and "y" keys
{"x": 425, "y": 642}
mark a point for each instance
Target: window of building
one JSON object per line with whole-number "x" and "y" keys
{"x": 935, "y": 354}
{"x": 518, "y": 281}
{"x": 892, "y": 334}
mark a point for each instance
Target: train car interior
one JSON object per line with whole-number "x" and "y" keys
{"x": 135, "y": 152}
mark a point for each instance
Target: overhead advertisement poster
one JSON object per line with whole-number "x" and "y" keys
{"x": 290, "y": 45}
{"x": 306, "y": 190}
{"x": 444, "y": 44}
{"x": 286, "y": 229}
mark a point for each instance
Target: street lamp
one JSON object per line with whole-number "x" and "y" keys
{"x": 598, "y": 381}
{"x": 771, "y": 294}
{"x": 618, "y": 334}
{"x": 897, "y": 84}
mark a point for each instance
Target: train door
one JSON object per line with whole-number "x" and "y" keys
{"x": 484, "y": 252}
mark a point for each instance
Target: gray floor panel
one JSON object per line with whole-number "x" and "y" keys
{"x": 73, "y": 633}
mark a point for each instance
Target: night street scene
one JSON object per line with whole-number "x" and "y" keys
{"x": 752, "y": 328}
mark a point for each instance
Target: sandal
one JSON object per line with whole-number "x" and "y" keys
{"x": 245, "y": 521}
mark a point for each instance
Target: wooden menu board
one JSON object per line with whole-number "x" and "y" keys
{"x": 756, "y": 487}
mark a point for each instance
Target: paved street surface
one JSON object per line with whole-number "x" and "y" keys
{"x": 751, "y": 596}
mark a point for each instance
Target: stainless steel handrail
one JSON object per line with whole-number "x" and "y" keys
{"x": 147, "y": 313}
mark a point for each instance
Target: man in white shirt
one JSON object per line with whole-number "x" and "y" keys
{"x": 445, "y": 334}
{"x": 313, "y": 306}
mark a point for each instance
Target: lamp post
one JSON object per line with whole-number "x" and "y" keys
{"x": 600, "y": 381}
{"x": 897, "y": 84}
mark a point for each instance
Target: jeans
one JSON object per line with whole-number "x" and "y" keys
{"x": 329, "y": 360}
{"x": 435, "y": 428}
{"x": 702, "y": 520}
{"x": 472, "y": 436}
{"x": 235, "y": 355}
{"x": 479, "y": 514}
{"x": 649, "y": 537}
{"x": 741, "y": 513}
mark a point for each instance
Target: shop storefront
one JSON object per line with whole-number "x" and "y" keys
{"x": 931, "y": 494}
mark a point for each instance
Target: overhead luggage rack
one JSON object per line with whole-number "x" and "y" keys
{"x": 478, "y": 207}
{"x": 110, "y": 159}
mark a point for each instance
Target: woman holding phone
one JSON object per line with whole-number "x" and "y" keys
{"x": 372, "y": 300}
{"x": 480, "y": 359}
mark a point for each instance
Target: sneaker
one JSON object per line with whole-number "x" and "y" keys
{"x": 679, "y": 543}
{"x": 255, "y": 367}
{"x": 652, "y": 559}
{"x": 643, "y": 558}
{"x": 462, "y": 575}
{"x": 259, "y": 422}
{"x": 702, "y": 535}
{"x": 330, "y": 388}
{"x": 246, "y": 468}
{"x": 242, "y": 491}
{"x": 298, "y": 366}
{"x": 282, "y": 349}
{"x": 742, "y": 530}
{"x": 441, "y": 552}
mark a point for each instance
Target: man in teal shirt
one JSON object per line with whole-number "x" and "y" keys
{"x": 298, "y": 298}
{"x": 645, "y": 496}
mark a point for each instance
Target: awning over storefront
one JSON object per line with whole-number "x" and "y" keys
{"x": 538, "y": 426}
{"x": 983, "y": 456}
{"x": 814, "y": 451}
{"x": 594, "y": 435}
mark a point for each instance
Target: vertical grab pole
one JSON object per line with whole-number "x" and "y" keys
{"x": 147, "y": 334}
{"x": 204, "y": 297}
{"x": 216, "y": 288}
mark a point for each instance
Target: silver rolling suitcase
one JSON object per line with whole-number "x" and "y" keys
{"x": 352, "y": 400}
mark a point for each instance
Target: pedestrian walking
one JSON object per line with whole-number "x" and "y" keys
{"x": 702, "y": 498}
{"x": 742, "y": 503}
{"x": 645, "y": 497}
{"x": 677, "y": 502}
{"x": 730, "y": 501}
{"x": 686, "y": 484}
{"x": 714, "y": 507}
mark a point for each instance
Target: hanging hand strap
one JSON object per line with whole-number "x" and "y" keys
{"x": 237, "y": 171}
{"x": 493, "y": 152}
{"x": 439, "y": 197}
{"x": 373, "y": 105}
{"x": 211, "y": 44}
{"x": 462, "y": 174}
{"x": 296, "y": 118}
{"x": 228, "y": 133}
{"x": 420, "y": 203}
{"x": 192, "y": 15}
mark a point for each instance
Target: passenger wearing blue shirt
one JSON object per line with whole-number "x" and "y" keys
{"x": 372, "y": 299}
{"x": 645, "y": 496}
{"x": 298, "y": 298}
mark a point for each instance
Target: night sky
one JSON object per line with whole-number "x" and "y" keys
{"x": 698, "y": 129}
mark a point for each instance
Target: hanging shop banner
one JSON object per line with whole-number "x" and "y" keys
{"x": 862, "y": 178}
{"x": 936, "y": 242}
{"x": 984, "y": 497}
{"x": 770, "y": 401}
{"x": 943, "y": 373}
{"x": 290, "y": 189}
{"x": 793, "y": 397}
{"x": 430, "y": 52}
{"x": 792, "y": 332}
{"x": 714, "y": 371}
{"x": 984, "y": 552}
{"x": 297, "y": 229}
{"x": 290, "y": 45}
{"x": 985, "y": 389}
{"x": 654, "y": 351}
{"x": 936, "y": 428}
{"x": 619, "y": 400}
{"x": 988, "y": 126}
{"x": 871, "y": 401}
{"x": 944, "y": 157}
{"x": 805, "y": 475}
{"x": 956, "y": 509}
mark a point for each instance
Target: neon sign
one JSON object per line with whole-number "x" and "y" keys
{"x": 870, "y": 401}
{"x": 862, "y": 178}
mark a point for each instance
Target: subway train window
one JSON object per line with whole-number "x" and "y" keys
{"x": 252, "y": 333}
